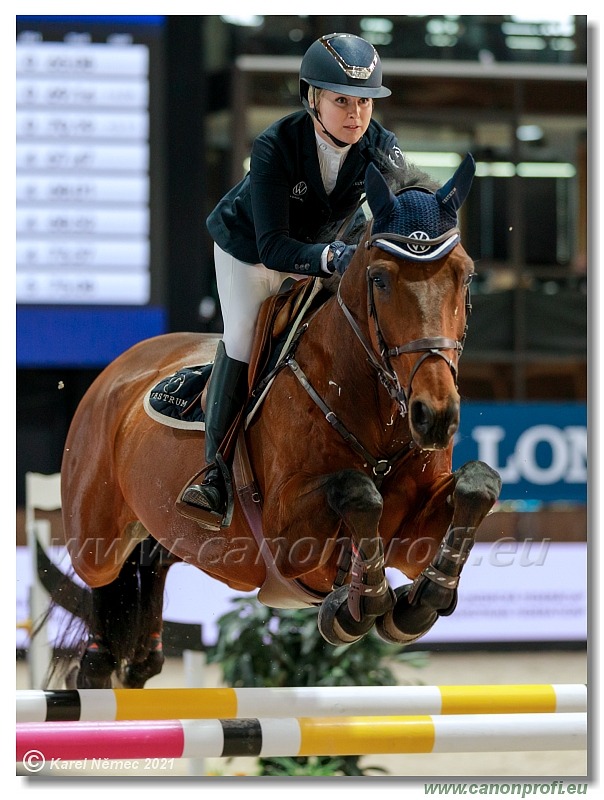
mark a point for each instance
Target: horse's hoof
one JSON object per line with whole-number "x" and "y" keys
{"x": 405, "y": 623}
{"x": 96, "y": 669}
{"x": 335, "y": 623}
{"x": 135, "y": 676}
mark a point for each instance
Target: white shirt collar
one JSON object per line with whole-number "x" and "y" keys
{"x": 331, "y": 159}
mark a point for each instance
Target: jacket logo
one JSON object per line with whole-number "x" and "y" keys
{"x": 300, "y": 189}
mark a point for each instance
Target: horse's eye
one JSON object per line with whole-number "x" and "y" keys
{"x": 378, "y": 280}
{"x": 468, "y": 279}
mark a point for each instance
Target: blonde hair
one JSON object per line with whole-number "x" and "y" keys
{"x": 316, "y": 96}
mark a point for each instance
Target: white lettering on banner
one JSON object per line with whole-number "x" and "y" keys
{"x": 577, "y": 453}
{"x": 568, "y": 447}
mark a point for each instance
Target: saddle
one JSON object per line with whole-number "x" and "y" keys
{"x": 178, "y": 400}
{"x": 279, "y": 322}
{"x": 279, "y": 319}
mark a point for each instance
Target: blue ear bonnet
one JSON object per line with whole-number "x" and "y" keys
{"x": 418, "y": 215}
{"x": 417, "y": 224}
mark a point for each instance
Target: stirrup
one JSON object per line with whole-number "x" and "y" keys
{"x": 206, "y": 496}
{"x": 206, "y": 517}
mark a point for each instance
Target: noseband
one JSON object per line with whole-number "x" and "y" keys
{"x": 429, "y": 346}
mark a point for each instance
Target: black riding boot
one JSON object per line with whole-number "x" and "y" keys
{"x": 227, "y": 393}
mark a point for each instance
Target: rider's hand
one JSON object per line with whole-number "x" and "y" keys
{"x": 340, "y": 256}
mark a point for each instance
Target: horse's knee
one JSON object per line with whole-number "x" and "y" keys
{"x": 350, "y": 491}
{"x": 477, "y": 487}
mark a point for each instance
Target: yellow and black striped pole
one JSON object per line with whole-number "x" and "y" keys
{"x": 132, "y": 704}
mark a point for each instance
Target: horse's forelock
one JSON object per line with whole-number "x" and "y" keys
{"x": 404, "y": 174}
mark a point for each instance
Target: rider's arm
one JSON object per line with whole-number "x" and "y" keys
{"x": 270, "y": 191}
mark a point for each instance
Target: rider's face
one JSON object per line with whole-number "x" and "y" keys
{"x": 345, "y": 117}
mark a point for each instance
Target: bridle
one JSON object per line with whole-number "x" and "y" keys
{"x": 428, "y": 346}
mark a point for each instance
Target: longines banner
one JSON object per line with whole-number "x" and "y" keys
{"x": 539, "y": 449}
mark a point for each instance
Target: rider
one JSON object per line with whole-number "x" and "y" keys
{"x": 307, "y": 170}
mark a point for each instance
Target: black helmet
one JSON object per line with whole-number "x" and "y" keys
{"x": 342, "y": 62}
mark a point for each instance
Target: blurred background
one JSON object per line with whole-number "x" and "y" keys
{"x": 131, "y": 128}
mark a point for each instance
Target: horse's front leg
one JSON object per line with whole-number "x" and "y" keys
{"x": 433, "y": 593}
{"x": 349, "y": 612}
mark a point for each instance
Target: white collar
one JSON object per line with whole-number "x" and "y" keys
{"x": 330, "y": 162}
{"x": 331, "y": 150}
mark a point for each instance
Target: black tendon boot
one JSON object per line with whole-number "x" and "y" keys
{"x": 227, "y": 392}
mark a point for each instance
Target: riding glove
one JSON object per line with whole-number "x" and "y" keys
{"x": 341, "y": 256}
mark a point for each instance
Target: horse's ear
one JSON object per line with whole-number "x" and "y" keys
{"x": 379, "y": 196}
{"x": 451, "y": 196}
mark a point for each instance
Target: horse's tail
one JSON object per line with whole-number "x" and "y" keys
{"x": 76, "y": 600}
{"x": 121, "y": 609}
{"x": 116, "y": 613}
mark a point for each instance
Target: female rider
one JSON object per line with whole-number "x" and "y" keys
{"x": 306, "y": 171}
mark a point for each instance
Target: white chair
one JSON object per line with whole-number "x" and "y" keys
{"x": 42, "y": 493}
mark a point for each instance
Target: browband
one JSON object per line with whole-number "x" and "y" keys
{"x": 417, "y": 249}
{"x": 399, "y": 237}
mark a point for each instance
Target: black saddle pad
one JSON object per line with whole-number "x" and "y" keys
{"x": 176, "y": 400}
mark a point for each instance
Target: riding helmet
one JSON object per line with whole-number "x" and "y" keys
{"x": 342, "y": 62}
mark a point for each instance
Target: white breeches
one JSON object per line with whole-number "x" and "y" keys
{"x": 242, "y": 288}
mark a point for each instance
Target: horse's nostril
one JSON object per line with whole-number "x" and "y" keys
{"x": 434, "y": 428}
{"x": 422, "y": 417}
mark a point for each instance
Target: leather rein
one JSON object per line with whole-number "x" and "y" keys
{"x": 429, "y": 346}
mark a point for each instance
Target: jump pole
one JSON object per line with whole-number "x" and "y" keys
{"x": 146, "y": 704}
{"x": 328, "y": 736}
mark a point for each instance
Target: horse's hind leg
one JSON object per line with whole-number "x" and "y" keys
{"x": 434, "y": 592}
{"x": 98, "y": 663}
{"x": 148, "y": 659}
{"x": 349, "y": 612}
{"x": 125, "y": 625}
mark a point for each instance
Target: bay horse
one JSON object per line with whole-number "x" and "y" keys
{"x": 350, "y": 453}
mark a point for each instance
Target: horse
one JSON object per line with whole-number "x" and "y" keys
{"x": 349, "y": 449}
